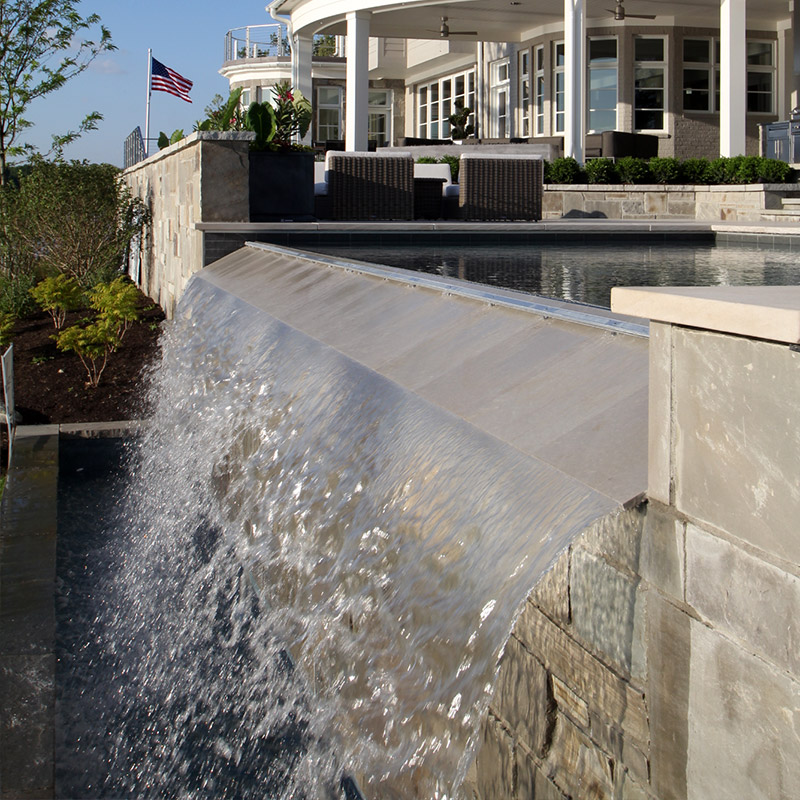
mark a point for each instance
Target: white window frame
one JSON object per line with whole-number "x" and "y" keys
{"x": 525, "y": 99}
{"x": 380, "y": 109}
{"x": 538, "y": 90}
{"x": 559, "y": 88}
{"x": 500, "y": 92}
{"x": 661, "y": 66}
{"x": 596, "y": 68}
{"x": 712, "y": 67}
{"x": 430, "y": 115}
{"x": 337, "y": 107}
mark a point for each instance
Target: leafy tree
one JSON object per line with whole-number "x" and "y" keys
{"x": 40, "y": 50}
{"x": 58, "y": 294}
{"x": 118, "y": 302}
{"x": 93, "y": 344}
{"x": 72, "y": 218}
{"x": 324, "y": 45}
{"x": 6, "y": 328}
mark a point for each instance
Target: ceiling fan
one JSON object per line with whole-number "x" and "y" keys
{"x": 620, "y": 13}
{"x": 446, "y": 33}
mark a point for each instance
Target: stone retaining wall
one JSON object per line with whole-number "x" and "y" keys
{"x": 659, "y": 656}
{"x": 202, "y": 178}
{"x": 628, "y": 201}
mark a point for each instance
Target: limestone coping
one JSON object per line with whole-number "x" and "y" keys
{"x": 761, "y": 312}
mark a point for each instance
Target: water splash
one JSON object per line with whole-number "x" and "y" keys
{"x": 316, "y": 572}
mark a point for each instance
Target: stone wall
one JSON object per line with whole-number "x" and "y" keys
{"x": 202, "y": 178}
{"x": 659, "y": 656}
{"x": 744, "y": 203}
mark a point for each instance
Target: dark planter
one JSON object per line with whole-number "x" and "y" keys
{"x": 281, "y": 186}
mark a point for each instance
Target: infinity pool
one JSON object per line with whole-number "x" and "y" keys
{"x": 586, "y": 273}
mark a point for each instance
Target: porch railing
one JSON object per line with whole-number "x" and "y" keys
{"x": 257, "y": 41}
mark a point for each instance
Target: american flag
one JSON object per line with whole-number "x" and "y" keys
{"x": 165, "y": 79}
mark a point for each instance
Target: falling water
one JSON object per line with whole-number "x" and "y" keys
{"x": 313, "y": 575}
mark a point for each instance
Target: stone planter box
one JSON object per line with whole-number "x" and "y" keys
{"x": 745, "y": 203}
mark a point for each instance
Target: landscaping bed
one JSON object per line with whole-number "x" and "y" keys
{"x": 50, "y": 386}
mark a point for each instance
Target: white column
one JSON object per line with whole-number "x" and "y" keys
{"x": 733, "y": 78}
{"x": 357, "y": 81}
{"x": 574, "y": 77}
{"x": 301, "y": 72}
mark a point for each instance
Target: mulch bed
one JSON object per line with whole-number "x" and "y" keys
{"x": 50, "y": 386}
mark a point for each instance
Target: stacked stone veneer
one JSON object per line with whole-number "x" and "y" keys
{"x": 660, "y": 656}
{"x": 746, "y": 203}
{"x": 203, "y": 178}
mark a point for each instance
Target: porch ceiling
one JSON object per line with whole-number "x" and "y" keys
{"x": 512, "y": 20}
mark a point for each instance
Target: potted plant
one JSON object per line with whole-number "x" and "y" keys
{"x": 281, "y": 171}
{"x": 460, "y": 127}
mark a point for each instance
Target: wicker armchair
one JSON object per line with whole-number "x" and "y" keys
{"x": 500, "y": 187}
{"x": 370, "y": 185}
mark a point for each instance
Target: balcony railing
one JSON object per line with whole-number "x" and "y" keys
{"x": 257, "y": 41}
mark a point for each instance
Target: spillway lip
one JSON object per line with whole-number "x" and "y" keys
{"x": 509, "y": 298}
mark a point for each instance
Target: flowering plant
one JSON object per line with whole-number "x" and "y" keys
{"x": 276, "y": 124}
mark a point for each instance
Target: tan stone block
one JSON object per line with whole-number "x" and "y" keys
{"x": 522, "y": 696}
{"x": 662, "y": 552}
{"x": 494, "y": 764}
{"x": 655, "y": 203}
{"x": 668, "y": 697}
{"x": 577, "y": 766}
{"x": 633, "y": 790}
{"x": 604, "y": 692}
{"x": 616, "y": 537}
{"x": 570, "y": 704}
{"x": 634, "y": 207}
{"x": 551, "y": 593}
{"x": 532, "y": 783}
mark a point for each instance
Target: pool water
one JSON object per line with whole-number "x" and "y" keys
{"x": 586, "y": 273}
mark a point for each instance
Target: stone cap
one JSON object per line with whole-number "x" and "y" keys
{"x": 761, "y": 312}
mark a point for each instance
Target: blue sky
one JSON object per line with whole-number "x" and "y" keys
{"x": 189, "y": 37}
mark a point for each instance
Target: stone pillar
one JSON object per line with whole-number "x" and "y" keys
{"x": 357, "y": 81}
{"x": 301, "y": 72}
{"x": 733, "y": 78}
{"x": 574, "y": 77}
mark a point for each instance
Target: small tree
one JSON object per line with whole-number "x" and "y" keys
{"x": 40, "y": 50}
{"x": 93, "y": 344}
{"x": 118, "y": 303}
{"x": 58, "y": 294}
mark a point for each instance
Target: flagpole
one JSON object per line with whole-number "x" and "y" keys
{"x": 147, "y": 110}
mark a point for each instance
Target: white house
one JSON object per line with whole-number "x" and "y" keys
{"x": 701, "y": 75}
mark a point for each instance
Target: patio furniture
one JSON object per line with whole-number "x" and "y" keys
{"x": 370, "y": 185}
{"x": 500, "y": 187}
{"x": 432, "y": 184}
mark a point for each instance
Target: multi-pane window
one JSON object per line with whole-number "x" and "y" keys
{"x": 649, "y": 83}
{"x": 538, "y": 63}
{"x": 558, "y": 84}
{"x": 500, "y": 95}
{"x": 525, "y": 93}
{"x": 329, "y": 113}
{"x": 379, "y": 126}
{"x": 760, "y": 77}
{"x": 602, "y": 95}
{"x": 436, "y": 101}
{"x": 701, "y": 75}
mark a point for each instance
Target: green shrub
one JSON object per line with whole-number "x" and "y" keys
{"x": 93, "y": 344}
{"x": 73, "y": 218}
{"x": 665, "y": 170}
{"x": 6, "y": 328}
{"x": 774, "y": 171}
{"x": 117, "y": 303}
{"x": 720, "y": 170}
{"x": 633, "y": 170}
{"x": 426, "y": 160}
{"x": 694, "y": 170}
{"x": 57, "y": 295}
{"x": 563, "y": 170}
{"x": 15, "y": 293}
{"x": 454, "y": 163}
{"x": 600, "y": 170}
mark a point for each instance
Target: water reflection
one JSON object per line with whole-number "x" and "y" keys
{"x": 586, "y": 273}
